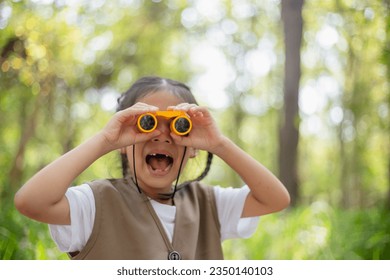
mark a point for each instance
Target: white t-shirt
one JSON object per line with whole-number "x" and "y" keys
{"x": 73, "y": 237}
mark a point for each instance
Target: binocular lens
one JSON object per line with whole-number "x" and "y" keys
{"x": 182, "y": 125}
{"x": 147, "y": 122}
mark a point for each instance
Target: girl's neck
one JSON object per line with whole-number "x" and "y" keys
{"x": 163, "y": 198}
{"x": 165, "y": 201}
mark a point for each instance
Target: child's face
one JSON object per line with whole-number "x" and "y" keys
{"x": 157, "y": 161}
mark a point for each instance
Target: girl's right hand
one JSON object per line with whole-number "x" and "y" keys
{"x": 121, "y": 131}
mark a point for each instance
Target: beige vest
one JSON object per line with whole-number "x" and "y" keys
{"x": 126, "y": 226}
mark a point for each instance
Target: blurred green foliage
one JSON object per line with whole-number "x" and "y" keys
{"x": 24, "y": 239}
{"x": 317, "y": 232}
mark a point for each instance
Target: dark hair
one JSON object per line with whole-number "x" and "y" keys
{"x": 150, "y": 84}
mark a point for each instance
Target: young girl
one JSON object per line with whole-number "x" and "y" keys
{"x": 145, "y": 215}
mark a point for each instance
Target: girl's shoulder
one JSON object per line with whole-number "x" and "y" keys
{"x": 108, "y": 183}
{"x": 197, "y": 188}
{"x": 111, "y": 185}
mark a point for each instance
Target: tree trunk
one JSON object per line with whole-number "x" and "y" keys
{"x": 386, "y": 54}
{"x": 289, "y": 131}
{"x": 27, "y": 132}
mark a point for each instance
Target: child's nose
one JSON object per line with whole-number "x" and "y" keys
{"x": 163, "y": 125}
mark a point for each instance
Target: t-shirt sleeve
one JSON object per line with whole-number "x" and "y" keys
{"x": 230, "y": 203}
{"x": 73, "y": 237}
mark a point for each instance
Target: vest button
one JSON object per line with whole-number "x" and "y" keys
{"x": 174, "y": 255}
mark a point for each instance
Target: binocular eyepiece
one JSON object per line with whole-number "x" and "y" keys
{"x": 180, "y": 125}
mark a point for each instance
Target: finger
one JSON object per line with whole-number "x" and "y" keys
{"x": 142, "y": 108}
{"x": 200, "y": 114}
{"x": 181, "y": 140}
{"x": 146, "y": 106}
{"x": 199, "y": 110}
{"x": 182, "y": 107}
{"x": 130, "y": 113}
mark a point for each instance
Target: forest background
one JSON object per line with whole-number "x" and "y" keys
{"x": 302, "y": 86}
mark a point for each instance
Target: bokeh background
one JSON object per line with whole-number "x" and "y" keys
{"x": 303, "y": 86}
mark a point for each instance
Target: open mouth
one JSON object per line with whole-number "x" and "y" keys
{"x": 159, "y": 164}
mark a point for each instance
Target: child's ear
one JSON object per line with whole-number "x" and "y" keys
{"x": 193, "y": 152}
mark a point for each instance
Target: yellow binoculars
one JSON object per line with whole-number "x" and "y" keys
{"x": 180, "y": 124}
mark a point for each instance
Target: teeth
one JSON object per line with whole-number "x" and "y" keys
{"x": 159, "y": 154}
{"x": 159, "y": 162}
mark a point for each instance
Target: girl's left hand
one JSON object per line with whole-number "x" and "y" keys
{"x": 205, "y": 135}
